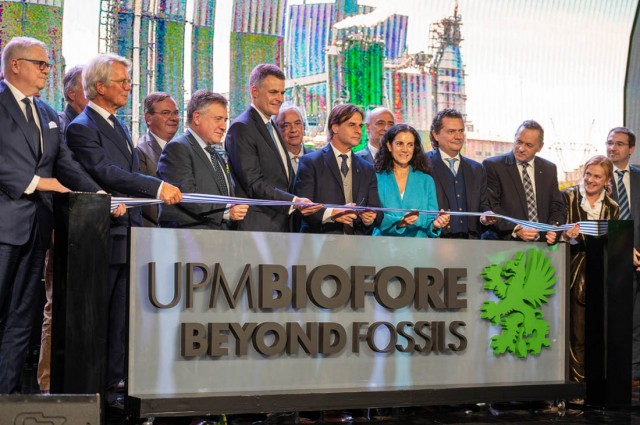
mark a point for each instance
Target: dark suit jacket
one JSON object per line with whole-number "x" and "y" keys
{"x": 104, "y": 154}
{"x": 259, "y": 173}
{"x": 19, "y": 163}
{"x": 66, "y": 116}
{"x": 634, "y": 200}
{"x": 366, "y": 154}
{"x": 507, "y": 197}
{"x": 475, "y": 187}
{"x": 186, "y": 165}
{"x": 149, "y": 151}
{"x": 319, "y": 179}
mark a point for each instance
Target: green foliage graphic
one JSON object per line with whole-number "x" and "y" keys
{"x": 522, "y": 285}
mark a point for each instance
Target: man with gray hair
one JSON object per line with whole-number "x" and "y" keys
{"x": 377, "y": 122}
{"x": 73, "y": 95}
{"x": 35, "y": 163}
{"x": 291, "y": 124}
{"x": 104, "y": 147}
{"x": 195, "y": 166}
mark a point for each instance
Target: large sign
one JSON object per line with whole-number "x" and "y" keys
{"x": 247, "y": 312}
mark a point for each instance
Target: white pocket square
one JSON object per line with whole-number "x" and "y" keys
{"x": 52, "y": 124}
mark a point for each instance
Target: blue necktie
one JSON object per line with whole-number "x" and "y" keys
{"x": 623, "y": 198}
{"x": 344, "y": 168}
{"x": 452, "y": 165}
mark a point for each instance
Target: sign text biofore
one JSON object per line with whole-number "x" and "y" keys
{"x": 269, "y": 287}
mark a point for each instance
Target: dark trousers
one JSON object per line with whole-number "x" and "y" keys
{"x": 117, "y": 313}
{"x": 21, "y": 290}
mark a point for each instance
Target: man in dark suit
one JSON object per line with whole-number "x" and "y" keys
{"x": 291, "y": 124}
{"x": 524, "y": 186}
{"x": 163, "y": 118}
{"x": 334, "y": 175}
{"x": 73, "y": 95}
{"x": 461, "y": 183}
{"x": 377, "y": 121}
{"x": 104, "y": 147}
{"x": 35, "y": 162}
{"x": 192, "y": 163}
{"x": 625, "y": 184}
{"x": 257, "y": 156}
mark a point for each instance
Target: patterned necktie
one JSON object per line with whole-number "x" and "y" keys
{"x": 294, "y": 162}
{"x": 623, "y": 198}
{"x": 118, "y": 128}
{"x": 532, "y": 209}
{"x": 452, "y": 165}
{"x": 344, "y": 168}
{"x": 218, "y": 170}
{"x": 32, "y": 125}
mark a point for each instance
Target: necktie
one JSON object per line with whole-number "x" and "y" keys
{"x": 623, "y": 198}
{"x": 32, "y": 125}
{"x": 294, "y": 163}
{"x": 218, "y": 170}
{"x": 118, "y": 127}
{"x": 344, "y": 168}
{"x": 532, "y": 209}
{"x": 452, "y": 165}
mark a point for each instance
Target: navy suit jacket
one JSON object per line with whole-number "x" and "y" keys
{"x": 507, "y": 197}
{"x": 19, "y": 163}
{"x": 259, "y": 172}
{"x": 475, "y": 187}
{"x": 319, "y": 179}
{"x": 186, "y": 165}
{"x": 106, "y": 157}
{"x": 66, "y": 116}
{"x": 634, "y": 201}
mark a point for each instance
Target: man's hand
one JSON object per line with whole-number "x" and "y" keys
{"x": 344, "y": 215}
{"x": 551, "y": 237}
{"x": 120, "y": 210}
{"x": 238, "y": 212}
{"x": 636, "y": 259}
{"x": 170, "y": 194}
{"x": 441, "y": 220}
{"x": 526, "y": 233}
{"x": 409, "y": 219}
{"x": 368, "y": 217}
{"x": 311, "y": 209}
{"x": 486, "y": 220}
{"x": 51, "y": 184}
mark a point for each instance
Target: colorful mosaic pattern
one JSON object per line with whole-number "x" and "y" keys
{"x": 15, "y": 21}
{"x": 202, "y": 45}
{"x": 309, "y": 34}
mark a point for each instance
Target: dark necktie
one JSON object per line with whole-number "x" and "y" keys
{"x": 118, "y": 127}
{"x": 35, "y": 131}
{"x": 344, "y": 168}
{"x": 532, "y": 209}
{"x": 218, "y": 171}
{"x": 623, "y": 198}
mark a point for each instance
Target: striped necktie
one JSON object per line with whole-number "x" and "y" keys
{"x": 452, "y": 165}
{"x": 532, "y": 208}
{"x": 623, "y": 198}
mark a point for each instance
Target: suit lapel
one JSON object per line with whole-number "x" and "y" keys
{"x": 439, "y": 171}
{"x": 206, "y": 162}
{"x": 268, "y": 138}
{"x": 44, "y": 126}
{"x": 105, "y": 128}
{"x": 467, "y": 175}
{"x": 16, "y": 113}
{"x": 514, "y": 174}
{"x": 332, "y": 164}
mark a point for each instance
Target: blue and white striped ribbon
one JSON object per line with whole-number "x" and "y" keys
{"x": 593, "y": 228}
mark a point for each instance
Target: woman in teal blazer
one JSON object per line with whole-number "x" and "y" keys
{"x": 403, "y": 182}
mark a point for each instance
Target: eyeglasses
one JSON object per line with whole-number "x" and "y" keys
{"x": 616, "y": 144}
{"x": 42, "y": 65}
{"x": 167, "y": 114}
{"x": 123, "y": 83}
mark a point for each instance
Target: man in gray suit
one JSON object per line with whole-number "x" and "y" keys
{"x": 377, "y": 121}
{"x": 625, "y": 184}
{"x": 193, "y": 164}
{"x": 162, "y": 117}
{"x": 73, "y": 95}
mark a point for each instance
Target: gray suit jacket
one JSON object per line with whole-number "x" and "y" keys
{"x": 366, "y": 154}
{"x": 185, "y": 164}
{"x": 149, "y": 151}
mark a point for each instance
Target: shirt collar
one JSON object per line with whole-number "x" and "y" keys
{"x": 101, "y": 111}
{"x": 160, "y": 140}
{"x": 17, "y": 93}
{"x": 201, "y": 142}
{"x": 265, "y": 119}
{"x": 337, "y": 153}
{"x": 444, "y": 155}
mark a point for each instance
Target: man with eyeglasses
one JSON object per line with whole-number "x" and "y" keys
{"x": 377, "y": 122}
{"x": 163, "y": 118}
{"x": 104, "y": 147}
{"x": 625, "y": 184}
{"x": 291, "y": 124}
{"x": 34, "y": 163}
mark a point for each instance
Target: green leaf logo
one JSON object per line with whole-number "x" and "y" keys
{"x": 522, "y": 285}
